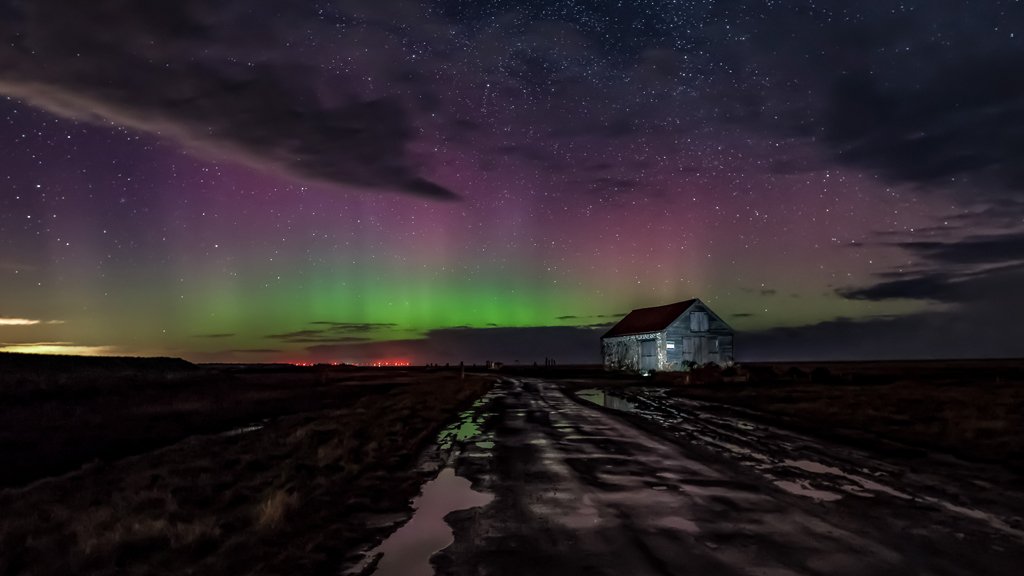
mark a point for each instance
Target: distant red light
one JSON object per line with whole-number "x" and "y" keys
{"x": 388, "y": 363}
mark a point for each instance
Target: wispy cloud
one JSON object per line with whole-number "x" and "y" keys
{"x": 569, "y": 344}
{"x": 68, "y": 348}
{"x": 163, "y": 75}
{"x": 330, "y": 332}
{"x": 4, "y": 321}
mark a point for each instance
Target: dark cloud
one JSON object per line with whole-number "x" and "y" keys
{"x": 331, "y": 332}
{"x": 993, "y": 249}
{"x": 354, "y": 326}
{"x": 880, "y": 90}
{"x": 297, "y": 334}
{"x": 966, "y": 120}
{"x": 966, "y": 332}
{"x": 976, "y": 280}
{"x": 591, "y": 317}
{"x": 927, "y": 286}
{"x": 995, "y": 212}
{"x": 322, "y": 339}
{"x": 568, "y": 345}
{"x": 201, "y": 74}
{"x": 951, "y": 271}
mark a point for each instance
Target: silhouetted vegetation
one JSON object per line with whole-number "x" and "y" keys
{"x": 973, "y": 409}
{"x": 55, "y": 417}
{"x": 225, "y": 503}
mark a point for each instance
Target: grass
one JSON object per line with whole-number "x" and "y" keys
{"x": 55, "y": 419}
{"x": 293, "y": 497}
{"x": 271, "y": 512}
{"x": 971, "y": 410}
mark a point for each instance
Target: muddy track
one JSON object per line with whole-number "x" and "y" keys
{"x": 579, "y": 489}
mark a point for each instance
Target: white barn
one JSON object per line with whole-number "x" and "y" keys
{"x": 668, "y": 338}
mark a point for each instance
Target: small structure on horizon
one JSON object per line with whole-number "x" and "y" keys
{"x": 673, "y": 337}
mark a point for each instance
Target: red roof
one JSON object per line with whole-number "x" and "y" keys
{"x": 653, "y": 319}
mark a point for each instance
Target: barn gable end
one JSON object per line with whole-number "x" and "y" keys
{"x": 668, "y": 338}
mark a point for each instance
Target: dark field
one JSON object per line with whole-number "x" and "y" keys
{"x": 970, "y": 409}
{"x": 59, "y": 413}
{"x": 160, "y": 466}
{"x": 173, "y": 486}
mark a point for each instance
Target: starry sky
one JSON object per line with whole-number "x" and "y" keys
{"x": 360, "y": 181}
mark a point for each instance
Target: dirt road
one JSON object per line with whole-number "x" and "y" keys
{"x": 658, "y": 486}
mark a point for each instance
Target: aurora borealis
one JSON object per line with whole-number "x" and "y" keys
{"x": 224, "y": 182}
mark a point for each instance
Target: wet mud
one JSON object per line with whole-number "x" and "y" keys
{"x": 634, "y": 483}
{"x": 409, "y": 549}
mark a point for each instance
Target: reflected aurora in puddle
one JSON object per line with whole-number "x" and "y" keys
{"x": 465, "y": 428}
{"x": 407, "y": 552}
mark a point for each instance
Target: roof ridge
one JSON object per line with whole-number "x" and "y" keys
{"x": 665, "y": 305}
{"x": 650, "y": 319}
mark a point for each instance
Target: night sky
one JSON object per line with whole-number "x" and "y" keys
{"x": 362, "y": 181}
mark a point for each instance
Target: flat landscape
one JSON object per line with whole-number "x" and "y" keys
{"x": 438, "y": 287}
{"x": 147, "y": 466}
{"x": 971, "y": 409}
{"x": 162, "y": 466}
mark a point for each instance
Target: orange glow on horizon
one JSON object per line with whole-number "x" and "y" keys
{"x": 373, "y": 363}
{"x": 61, "y": 348}
{"x": 383, "y": 363}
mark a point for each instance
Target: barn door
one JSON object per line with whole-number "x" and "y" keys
{"x": 648, "y": 355}
{"x": 689, "y": 349}
{"x": 700, "y": 352}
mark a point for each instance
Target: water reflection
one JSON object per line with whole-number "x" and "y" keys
{"x": 243, "y": 430}
{"x": 606, "y": 399}
{"x": 407, "y": 552}
{"x": 804, "y": 488}
{"x": 467, "y": 427}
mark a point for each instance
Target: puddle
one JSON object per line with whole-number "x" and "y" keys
{"x": 461, "y": 431}
{"x": 243, "y": 430}
{"x": 814, "y": 467}
{"x": 804, "y": 489}
{"x": 985, "y": 517}
{"x": 602, "y": 398}
{"x": 867, "y": 488}
{"x": 862, "y": 483}
{"x": 407, "y": 552}
{"x": 467, "y": 428}
{"x": 678, "y": 524}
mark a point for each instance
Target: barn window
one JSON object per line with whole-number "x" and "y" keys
{"x": 698, "y": 321}
{"x": 714, "y": 345}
